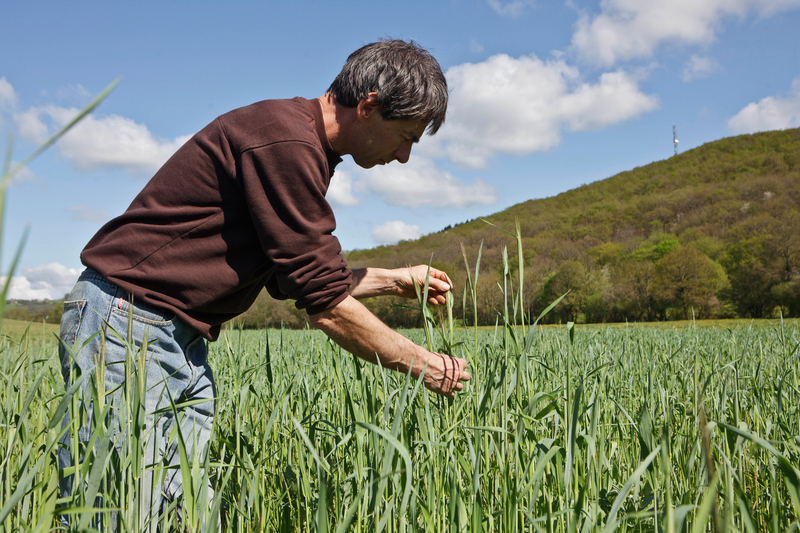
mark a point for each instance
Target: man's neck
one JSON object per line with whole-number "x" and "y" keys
{"x": 336, "y": 119}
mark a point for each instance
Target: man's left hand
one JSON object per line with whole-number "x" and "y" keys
{"x": 439, "y": 283}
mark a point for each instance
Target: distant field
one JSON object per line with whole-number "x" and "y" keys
{"x": 659, "y": 427}
{"x": 728, "y": 323}
{"x": 16, "y": 328}
{"x": 733, "y": 323}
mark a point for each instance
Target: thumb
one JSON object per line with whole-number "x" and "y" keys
{"x": 439, "y": 285}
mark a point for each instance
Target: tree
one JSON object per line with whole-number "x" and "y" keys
{"x": 609, "y": 253}
{"x": 787, "y": 295}
{"x": 751, "y": 281}
{"x": 685, "y": 278}
{"x": 54, "y": 313}
{"x": 633, "y": 291}
{"x": 571, "y": 276}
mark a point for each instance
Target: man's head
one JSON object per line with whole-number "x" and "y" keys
{"x": 406, "y": 80}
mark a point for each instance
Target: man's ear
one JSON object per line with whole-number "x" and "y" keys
{"x": 368, "y": 106}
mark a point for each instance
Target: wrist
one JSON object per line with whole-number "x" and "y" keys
{"x": 385, "y": 282}
{"x": 420, "y": 361}
{"x": 370, "y": 282}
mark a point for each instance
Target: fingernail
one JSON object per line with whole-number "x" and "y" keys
{"x": 446, "y": 287}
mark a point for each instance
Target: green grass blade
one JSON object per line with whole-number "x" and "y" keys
{"x": 612, "y": 521}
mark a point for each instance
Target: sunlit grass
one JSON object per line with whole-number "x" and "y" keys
{"x": 17, "y": 328}
{"x": 615, "y": 444}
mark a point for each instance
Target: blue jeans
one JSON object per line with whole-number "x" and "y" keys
{"x": 94, "y": 334}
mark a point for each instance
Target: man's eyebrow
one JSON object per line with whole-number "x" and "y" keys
{"x": 413, "y": 136}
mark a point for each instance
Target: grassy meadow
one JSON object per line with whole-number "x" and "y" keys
{"x": 18, "y": 329}
{"x": 587, "y": 428}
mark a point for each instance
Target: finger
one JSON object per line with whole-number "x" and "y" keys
{"x": 436, "y": 275}
{"x": 465, "y": 376}
{"x": 440, "y": 285}
{"x": 436, "y": 300}
{"x": 441, "y": 275}
{"x": 446, "y": 278}
{"x": 438, "y": 296}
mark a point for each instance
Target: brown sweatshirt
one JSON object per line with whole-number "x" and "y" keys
{"x": 239, "y": 207}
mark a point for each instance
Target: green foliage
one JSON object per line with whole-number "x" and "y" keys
{"x": 787, "y": 296}
{"x": 664, "y": 247}
{"x": 609, "y": 253}
{"x": 686, "y": 279}
{"x": 267, "y": 312}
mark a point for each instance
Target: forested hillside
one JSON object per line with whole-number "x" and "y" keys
{"x": 712, "y": 232}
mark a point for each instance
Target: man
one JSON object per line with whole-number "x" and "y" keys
{"x": 241, "y": 206}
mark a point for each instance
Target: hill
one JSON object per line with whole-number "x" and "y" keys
{"x": 712, "y": 232}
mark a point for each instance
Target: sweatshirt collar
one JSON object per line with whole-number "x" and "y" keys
{"x": 333, "y": 158}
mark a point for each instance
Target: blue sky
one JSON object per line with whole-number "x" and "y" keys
{"x": 545, "y": 96}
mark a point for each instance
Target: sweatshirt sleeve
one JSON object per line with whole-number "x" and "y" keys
{"x": 285, "y": 185}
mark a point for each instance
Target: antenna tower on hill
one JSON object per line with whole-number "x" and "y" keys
{"x": 675, "y": 139}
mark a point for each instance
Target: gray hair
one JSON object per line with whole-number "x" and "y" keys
{"x": 406, "y": 77}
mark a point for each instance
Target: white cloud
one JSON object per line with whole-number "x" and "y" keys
{"x": 419, "y": 183}
{"x": 74, "y": 92}
{"x": 30, "y": 127}
{"x": 475, "y": 46}
{"x": 631, "y": 29}
{"x": 520, "y": 106}
{"x": 394, "y": 231}
{"x": 340, "y": 191}
{"x": 45, "y": 282}
{"x": 99, "y": 142}
{"x": 767, "y": 8}
{"x": 82, "y": 212}
{"x": 698, "y": 67}
{"x": 7, "y": 94}
{"x": 512, "y": 9}
{"x": 23, "y": 175}
{"x": 771, "y": 113}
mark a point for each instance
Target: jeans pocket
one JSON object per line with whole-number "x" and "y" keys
{"x": 142, "y": 313}
{"x": 71, "y": 320}
{"x": 148, "y": 325}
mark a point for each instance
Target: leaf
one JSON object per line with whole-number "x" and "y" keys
{"x": 611, "y": 523}
{"x": 530, "y": 336}
{"x": 403, "y": 453}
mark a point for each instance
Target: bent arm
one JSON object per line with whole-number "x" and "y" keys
{"x": 369, "y": 282}
{"x": 353, "y": 327}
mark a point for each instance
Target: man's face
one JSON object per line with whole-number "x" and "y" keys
{"x": 380, "y": 141}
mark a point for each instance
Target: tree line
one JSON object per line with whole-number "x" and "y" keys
{"x": 35, "y": 310}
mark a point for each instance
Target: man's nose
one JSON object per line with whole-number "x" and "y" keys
{"x": 402, "y": 154}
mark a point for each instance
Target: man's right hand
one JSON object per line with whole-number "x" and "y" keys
{"x": 445, "y": 375}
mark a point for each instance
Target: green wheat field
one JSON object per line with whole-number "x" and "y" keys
{"x": 567, "y": 428}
